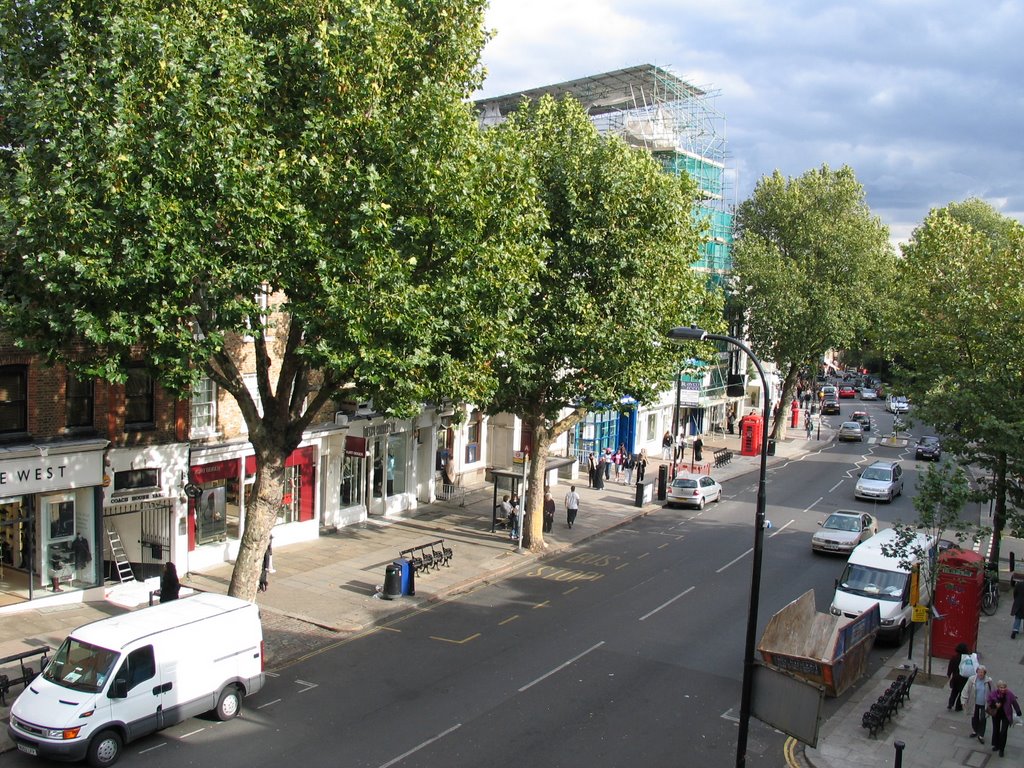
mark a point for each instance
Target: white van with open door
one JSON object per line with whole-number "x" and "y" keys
{"x": 118, "y": 679}
{"x": 872, "y": 576}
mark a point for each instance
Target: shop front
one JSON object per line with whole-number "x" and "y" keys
{"x": 220, "y": 490}
{"x": 49, "y": 534}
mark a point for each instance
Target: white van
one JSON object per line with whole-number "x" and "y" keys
{"x": 115, "y": 680}
{"x": 874, "y": 577}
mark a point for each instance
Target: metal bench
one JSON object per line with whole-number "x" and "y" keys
{"x": 28, "y": 674}
{"x": 425, "y": 557}
{"x": 722, "y": 456}
{"x": 885, "y": 706}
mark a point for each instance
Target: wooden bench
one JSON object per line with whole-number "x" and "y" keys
{"x": 425, "y": 557}
{"x": 27, "y": 673}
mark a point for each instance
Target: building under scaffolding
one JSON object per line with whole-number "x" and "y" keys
{"x": 675, "y": 121}
{"x": 651, "y": 108}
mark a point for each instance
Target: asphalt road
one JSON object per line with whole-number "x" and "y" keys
{"x": 627, "y": 651}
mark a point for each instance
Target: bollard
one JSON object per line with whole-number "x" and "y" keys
{"x": 899, "y": 753}
{"x": 662, "y": 482}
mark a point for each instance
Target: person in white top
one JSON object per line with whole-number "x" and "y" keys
{"x": 572, "y": 505}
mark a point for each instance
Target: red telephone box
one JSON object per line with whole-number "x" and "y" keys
{"x": 958, "y": 584}
{"x": 795, "y": 409}
{"x": 751, "y": 429}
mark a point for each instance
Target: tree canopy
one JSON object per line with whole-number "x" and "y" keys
{"x": 617, "y": 248}
{"x": 168, "y": 166}
{"x": 957, "y": 336}
{"x": 811, "y": 266}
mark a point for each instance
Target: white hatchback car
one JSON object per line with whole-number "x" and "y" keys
{"x": 696, "y": 491}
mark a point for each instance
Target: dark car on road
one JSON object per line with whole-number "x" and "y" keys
{"x": 830, "y": 404}
{"x": 928, "y": 447}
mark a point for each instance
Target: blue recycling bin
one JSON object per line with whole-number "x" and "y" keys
{"x": 408, "y": 576}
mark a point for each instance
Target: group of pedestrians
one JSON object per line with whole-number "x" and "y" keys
{"x": 621, "y": 465}
{"x": 971, "y": 688}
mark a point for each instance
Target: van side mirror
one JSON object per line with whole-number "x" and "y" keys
{"x": 118, "y": 689}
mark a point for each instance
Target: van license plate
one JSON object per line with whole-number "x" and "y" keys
{"x": 28, "y": 750}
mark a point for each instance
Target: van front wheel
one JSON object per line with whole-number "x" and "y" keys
{"x": 105, "y": 749}
{"x": 229, "y": 704}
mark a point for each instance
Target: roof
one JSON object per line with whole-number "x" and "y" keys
{"x": 608, "y": 92}
{"x": 118, "y": 631}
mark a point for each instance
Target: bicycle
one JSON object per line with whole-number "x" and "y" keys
{"x": 990, "y": 592}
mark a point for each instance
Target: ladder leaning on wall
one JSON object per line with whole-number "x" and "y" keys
{"x": 119, "y": 557}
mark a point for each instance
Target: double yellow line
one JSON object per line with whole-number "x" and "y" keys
{"x": 793, "y": 759}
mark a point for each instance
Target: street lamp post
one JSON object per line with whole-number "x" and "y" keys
{"x": 692, "y": 333}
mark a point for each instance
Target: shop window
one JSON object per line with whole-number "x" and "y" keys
{"x": 13, "y": 398}
{"x": 211, "y": 514}
{"x": 652, "y": 427}
{"x": 78, "y": 402}
{"x": 130, "y": 479}
{"x": 289, "y": 510}
{"x": 396, "y": 464}
{"x": 473, "y": 430}
{"x": 138, "y": 397}
{"x": 351, "y": 481}
{"x": 204, "y": 408}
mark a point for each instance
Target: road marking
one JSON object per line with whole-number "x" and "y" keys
{"x": 560, "y": 667}
{"x": 418, "y": 747}
{"x": 830, "y": 490}
{"x": 666, "y": 604}
{"x": 269, "y": 703}
{"x": 456, "y": 642}
{"x": 570, "y": 590}
{"x": 309, "y": 686}
{"x": 545, "y": 604}
{"x": 620, "y": 567}
{"x": 781, "y": 529}
{"x": 158, "y": 746}
{"x": 662, "y": 546}
{"x": 728, "y": 715}
{"x": 813, "y": 504}
{"x": 193, "y": 733}
{"x": 734, "y": 561}
{"x": 645, "y": 554}
{"x": 508, "y": 620}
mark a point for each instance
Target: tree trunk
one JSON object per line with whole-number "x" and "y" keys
{"x": 999, "y": 513}
{"x": 260, "y": 517}
{"x": 533, "y": 524}
{"x": 782, "y": 408}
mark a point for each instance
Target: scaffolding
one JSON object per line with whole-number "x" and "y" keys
{"x": 677, "y": 122}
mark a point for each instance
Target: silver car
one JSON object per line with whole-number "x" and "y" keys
{"x": 868, "y": 393}
{"x": 843, "y": 530}
{"x": 693, "y": 491}
{"x": 851, "y": 430}
{"x": 882, "y": 481}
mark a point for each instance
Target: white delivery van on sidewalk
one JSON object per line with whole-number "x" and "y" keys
{"x": 115, "y": 680}
{"x": 871, "y": 576}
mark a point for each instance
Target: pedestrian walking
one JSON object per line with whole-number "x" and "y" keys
{"x": 979, "y": 688}
{"x": 698, "y": 449}
{"x": 609, "y": 460}
{"x": 680, "y": 446}
{"x": 591, "y": 470}
{"x": 628, "y": 465}
{"x": 549, "y": 511}
{"x": 807, "y": 424}
{"x": 666, "y": 446}
{"x": 572, "y": 505}
{"x": 600, "y": 471}
{"x": 169, "y": 584}
{"x": 1002, "y": 705}
{"x": 641, "y": 465}
{"x": 1017, "y": 609}
{"x": 265, "y": 571}
{"x": 618, "y": 460}
{"x": 962, "y": 666}
{"x": 270, "y": 555}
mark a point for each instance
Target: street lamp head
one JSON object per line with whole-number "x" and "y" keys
{"x": 687, "y": 333}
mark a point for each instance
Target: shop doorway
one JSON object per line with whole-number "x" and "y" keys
{"x": 17, "y": 550}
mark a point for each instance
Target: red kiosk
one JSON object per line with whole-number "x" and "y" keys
{"x": 958, "y": 584}
{"x": 751, "y": 432}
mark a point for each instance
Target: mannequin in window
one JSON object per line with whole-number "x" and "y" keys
{"x": 80, "y": 552}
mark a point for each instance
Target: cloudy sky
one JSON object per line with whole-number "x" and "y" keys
{"x": 922, "y": 98}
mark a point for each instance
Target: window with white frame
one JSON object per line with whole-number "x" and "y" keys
{"x": 204, "y": 407}
{"x": 652, "y": 427}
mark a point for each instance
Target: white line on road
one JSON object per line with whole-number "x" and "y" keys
{"x": 830, "y": 490}
{"x": 269, "y": 703}
{"x": 559, "y": 668}
{"x": 734, "y": 561}
{"x": 781, "y": 529}
{"x": 664, "y": 605}
{"x": 813, "y": 504}
{"x": 418, "y": 747}
{"x": 144, "y": 751}
{"x": 193, "y": 733}
{"x": 309, "y": 686}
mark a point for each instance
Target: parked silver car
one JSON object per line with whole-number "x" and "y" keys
{"x": 693, "y": 491}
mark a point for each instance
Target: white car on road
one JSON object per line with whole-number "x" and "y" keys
{"x": 693, "y": 491}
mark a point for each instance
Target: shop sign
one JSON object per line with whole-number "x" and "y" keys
{"x": 51, "y": 473}
{"x": 355, "y": 446}
{"x": 379, "y": 430}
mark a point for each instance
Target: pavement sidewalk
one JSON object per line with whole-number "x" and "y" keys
{"x": 326, "y": 590}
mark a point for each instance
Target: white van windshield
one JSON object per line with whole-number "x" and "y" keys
{"x": 80, "y": 666}
{"x": 871, "y": 582}
{"x": 877, "y": 473}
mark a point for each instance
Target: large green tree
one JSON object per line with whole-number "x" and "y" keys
{"x": 958, "y": 338}
{"x": 618, "y": 249}
{"x": 811, "y": 266}
{"x": 166, "y": 165}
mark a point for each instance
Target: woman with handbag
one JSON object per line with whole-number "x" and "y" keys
{"x": 979, "y": 688}
{"x": 1002, "y": 705}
